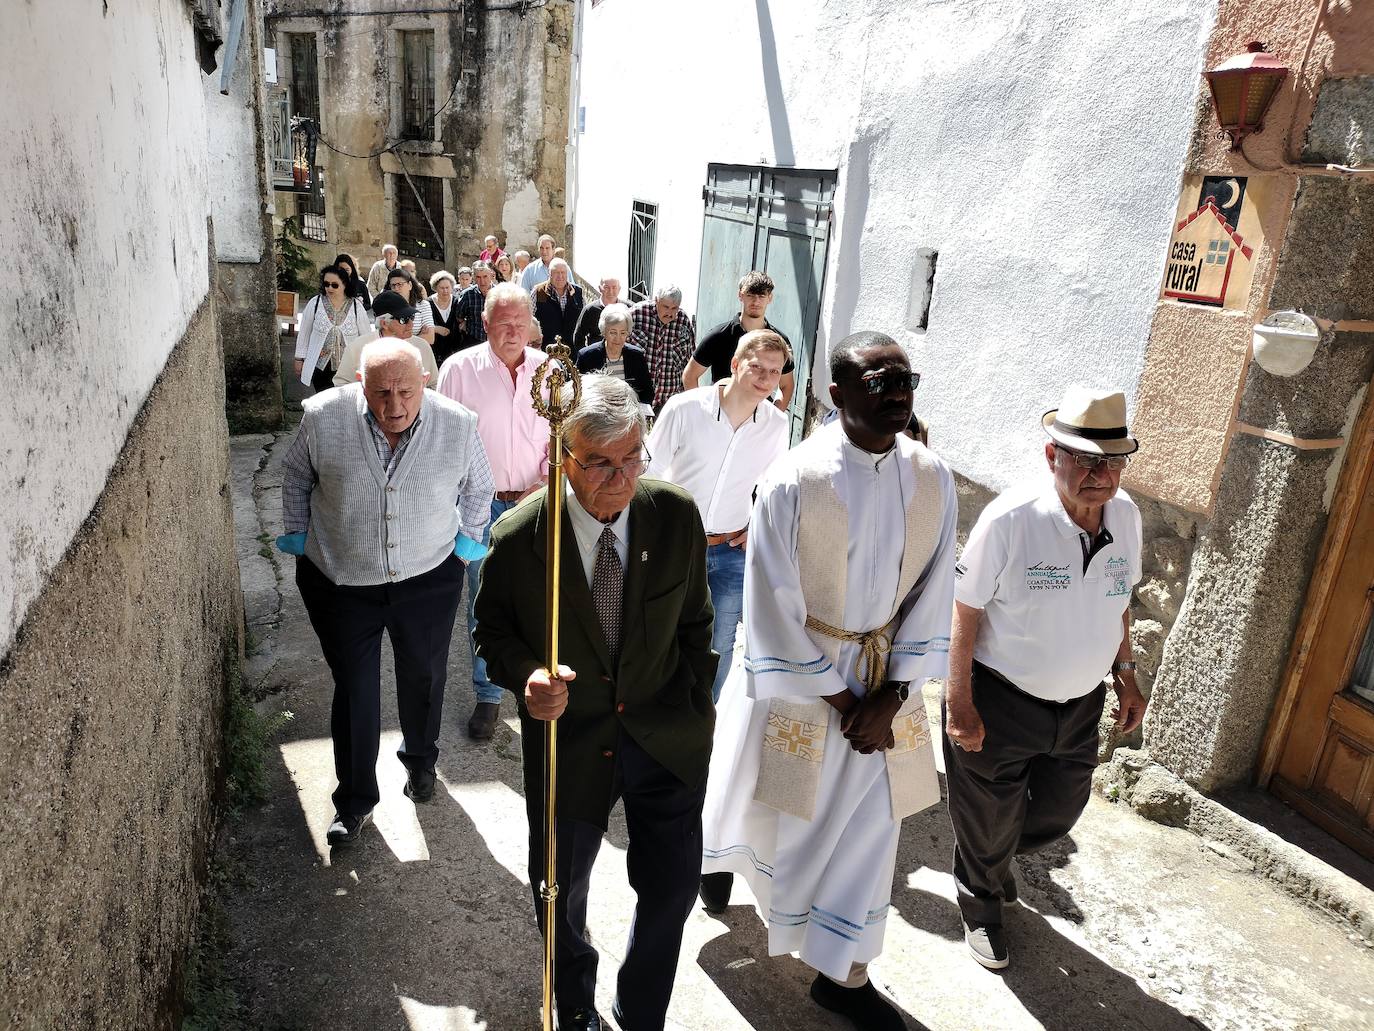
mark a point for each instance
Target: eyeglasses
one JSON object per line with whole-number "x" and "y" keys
{"x": 405, "y": 322}
{"x": 1095, "y": 462}
{"x": 604, "y": 472}
{"x": 883, "y": 380}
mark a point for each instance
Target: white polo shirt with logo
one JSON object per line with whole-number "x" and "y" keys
{"x": 1049, "y": 627}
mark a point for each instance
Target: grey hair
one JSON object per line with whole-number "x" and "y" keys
{"x": 441, "y": 274}
{"x": 613, "y": 315}
{"x": 390, "y": 247}
{"x": 559, "y": 261}
{"x": 508, "y": 293}
{"x": 376, "y": 351}
{"x": 518, "y": 253}
{"x": 669, "y": 293}
{"x": 491, "y": 238}
{"x": 608, "y": 411}
{"x": 601, "y": 283}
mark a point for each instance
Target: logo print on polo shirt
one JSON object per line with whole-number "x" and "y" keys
{"x": 1043, "y": 576}
{"x": 1118, "y": 577}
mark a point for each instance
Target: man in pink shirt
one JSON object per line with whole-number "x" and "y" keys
{"x": 493, "y": 381}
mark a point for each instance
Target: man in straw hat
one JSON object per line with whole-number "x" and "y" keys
{"x": 822, "y": 745}
{"x": 1041, "y": 617}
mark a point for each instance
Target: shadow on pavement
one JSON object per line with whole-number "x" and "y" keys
{"x": 761, "y": 987}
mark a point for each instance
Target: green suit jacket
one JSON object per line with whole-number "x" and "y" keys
{"x": 659, "y": 692}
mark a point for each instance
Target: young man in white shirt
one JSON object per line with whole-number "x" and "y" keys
{"x": 716, "y": 442}
{"x": 1041, "y": 616}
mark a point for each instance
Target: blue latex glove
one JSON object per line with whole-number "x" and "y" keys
{"x": 468, "y": 549}
{"x": 292, "y": 543}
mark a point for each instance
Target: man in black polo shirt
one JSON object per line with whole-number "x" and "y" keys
{"x": 718, "y": 346}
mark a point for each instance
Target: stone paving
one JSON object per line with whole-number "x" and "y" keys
{"x": 427, "y": 925}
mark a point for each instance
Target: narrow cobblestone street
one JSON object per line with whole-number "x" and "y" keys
{"x": 427, "y": 924}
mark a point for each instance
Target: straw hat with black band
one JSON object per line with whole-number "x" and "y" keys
{"x": 1091, "y": 421}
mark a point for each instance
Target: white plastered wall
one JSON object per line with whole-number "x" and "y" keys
{"x": 103, "y": 228}
{"x": 232, "y": 150}
{"x": 1035, "y": 144}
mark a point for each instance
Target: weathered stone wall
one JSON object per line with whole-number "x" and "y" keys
{"x": 499, "y": 146}
{"x": 110, "y": 722}
{"x": 245, "y": 287}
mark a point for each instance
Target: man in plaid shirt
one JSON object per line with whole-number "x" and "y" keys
{"x": 668, "y": 338}
{"x": 470, "y": 303}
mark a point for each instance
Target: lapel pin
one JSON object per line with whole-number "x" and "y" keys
{"x": 644, "y": 556}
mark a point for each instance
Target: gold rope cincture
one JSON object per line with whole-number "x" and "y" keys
{"x": 874, "y": 648}
{"x": 554, "y": 404}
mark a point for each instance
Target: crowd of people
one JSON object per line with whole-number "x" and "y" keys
{"x": 421, "y": 466}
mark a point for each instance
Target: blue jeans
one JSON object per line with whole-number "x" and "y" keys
{"x": 483, "y": 688}
{"x": 725, "y": 578}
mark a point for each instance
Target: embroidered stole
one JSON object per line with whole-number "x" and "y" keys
{"x": 795, "y": 735}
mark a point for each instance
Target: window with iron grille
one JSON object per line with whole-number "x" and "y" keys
{"x": 310, "y": 210}
{"x": 305, "y": 80}
{"x": 643, "y": 243}
{"x": 415, "y": 236}
{"x": 417, "y": 77}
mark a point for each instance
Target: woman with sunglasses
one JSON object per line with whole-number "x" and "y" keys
{"x": 327, "y": 323}
{"x": 350, "y": 267}
{"x": 404, "y": 283}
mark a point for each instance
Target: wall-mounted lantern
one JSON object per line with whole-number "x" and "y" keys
{"x": 1243, "y": 87}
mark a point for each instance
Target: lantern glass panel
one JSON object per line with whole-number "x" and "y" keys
{"x": 1227, "y": 91}
{"x": 1259, "y": 91}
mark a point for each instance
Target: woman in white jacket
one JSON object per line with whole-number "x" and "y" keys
{"x": 327, "y": 323}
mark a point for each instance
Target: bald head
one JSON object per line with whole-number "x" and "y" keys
{"x": 387, "y": 355}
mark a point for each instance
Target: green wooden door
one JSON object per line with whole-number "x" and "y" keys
{"x": 777, "y": 221}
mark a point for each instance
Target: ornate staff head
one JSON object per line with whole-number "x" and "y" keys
{"x": 550, "y": 378}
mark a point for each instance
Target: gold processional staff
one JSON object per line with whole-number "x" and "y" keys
{"x": 554, "y": 404}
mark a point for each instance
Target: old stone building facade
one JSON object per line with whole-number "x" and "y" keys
{"x": 437, "y": 126}
{"x": 1014, "y": 229}
{"x": 133, "y": 182}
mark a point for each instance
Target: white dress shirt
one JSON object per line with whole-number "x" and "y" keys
{"x": 693, "y": 445}
{"x": 587, "y": 531}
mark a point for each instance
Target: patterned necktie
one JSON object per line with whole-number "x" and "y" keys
{"x": 607, "y": 584}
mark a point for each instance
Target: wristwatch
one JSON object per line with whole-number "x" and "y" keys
{"x": 1123, "y": 667}
{"x": 901, "y": 687}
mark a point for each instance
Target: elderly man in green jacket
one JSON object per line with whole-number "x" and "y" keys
{"x": 633, "y": 702}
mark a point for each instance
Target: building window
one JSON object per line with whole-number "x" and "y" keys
{"x": 643, "y": 241}
{"x": 417, "y": 76}
{"x": 420, "y": 219}
{"x": 310, "y": 211}
{"x": 305, "y": 78}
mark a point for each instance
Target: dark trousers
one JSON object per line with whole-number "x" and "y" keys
{"x": 1023, "y": 791}
{"x": 663, "y": 816}
{"x": 322, "y": 379}
{"x": 418, "y": 614}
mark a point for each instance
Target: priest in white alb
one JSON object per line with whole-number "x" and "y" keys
{"x": 822, "y": 745}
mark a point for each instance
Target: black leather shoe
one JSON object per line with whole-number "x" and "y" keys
{"x": 482, "y": 722}
{"x": 345, "y": 830}
{"x": 580, "y": 1020}
{"x": 865, "y": 1006}
{"x": 715, "y": 891}
{"x": 419, "y": 785}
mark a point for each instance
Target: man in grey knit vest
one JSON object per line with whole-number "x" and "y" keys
{"x": 385, "y": 494}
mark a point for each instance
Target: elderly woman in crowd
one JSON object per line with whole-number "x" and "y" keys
{"x": 403, "y": 281}
{"x": 521, "y": 259}
{"x": 360, "y": 290}
{"x": 329, "y": 320}
{"x": 505, "y": 271}
{"x": 444, "y": 312}
{"x": 614, "y": 356}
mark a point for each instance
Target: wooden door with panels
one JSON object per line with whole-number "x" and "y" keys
{"x": 1319, "y": 752}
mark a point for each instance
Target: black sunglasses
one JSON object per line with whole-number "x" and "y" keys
{"x": 883, "y": 380}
